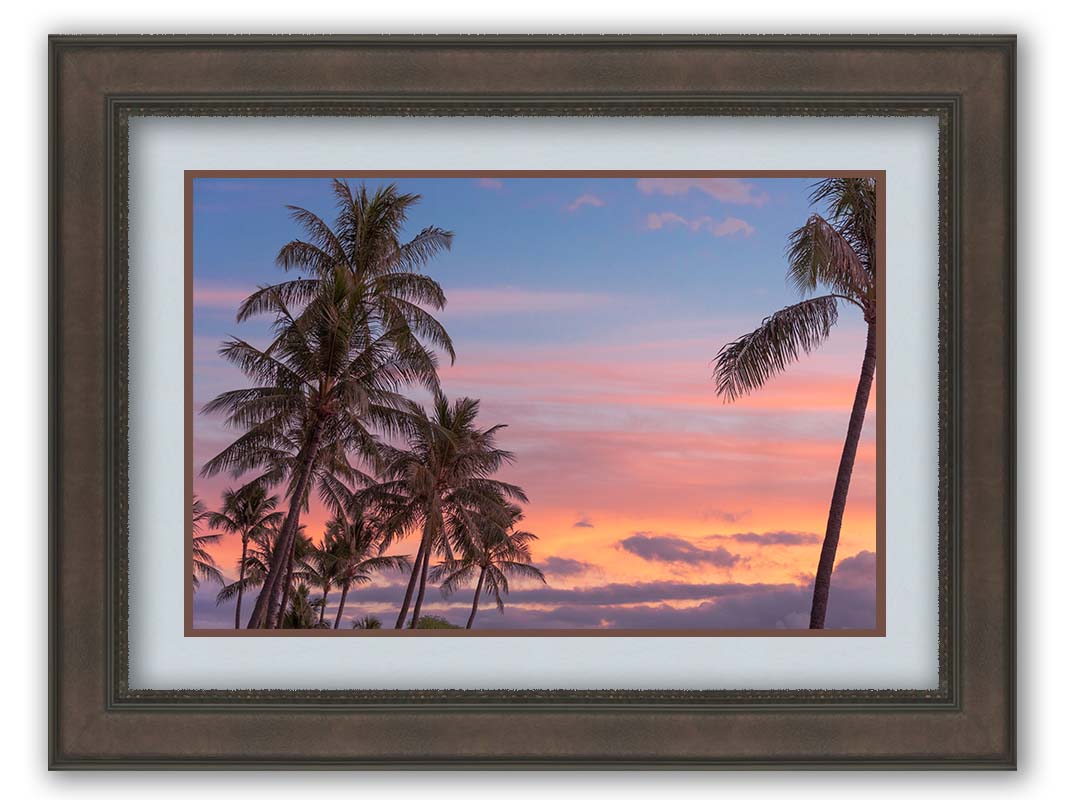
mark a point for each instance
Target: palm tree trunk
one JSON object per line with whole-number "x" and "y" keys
{"x": 322, "y": 611}
{"x": 821, "y": 595}
{"x": 240, "y": 583}
{"x": 422, "y": 589}
{"x": 276, "y": 582}
{"x": 271, "y": 589}
{"x": 477, "y": 594}
{"x": 416, "y": 568}
{"x": 341, "y": 607}
{"x": 277, "y": 611}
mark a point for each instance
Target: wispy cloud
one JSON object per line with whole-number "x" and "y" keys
{"x": 727, "y": 227}
{"x": 769, "y": 538}
{"x": 676, "y": 550}
{"x": 585, "y": 200}
{"x": 584, "y": 522}
{"x": 490, "y": 183}
{"x": 726, "y": 190}
{"x": 727, "y": 516}
{"x": 564, "y": 567}
{"x": 515, "y": 300}
{"x": 219, "y": 295}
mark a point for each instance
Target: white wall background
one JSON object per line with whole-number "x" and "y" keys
{"x": 1042, "y": 439}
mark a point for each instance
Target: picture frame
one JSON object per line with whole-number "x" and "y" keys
{"x": 98, "y": 83}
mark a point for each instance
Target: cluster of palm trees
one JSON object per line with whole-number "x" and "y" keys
{"x": 324, "y": 413}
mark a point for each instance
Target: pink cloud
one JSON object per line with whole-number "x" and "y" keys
{"x": 655, "y": 222}
{"x": 633, "y": 374}
{"x": 513, "y": 300}
{"x": 219, "y": 295}
{"x": 585, "y": 200}
{"x": 727, "y": 227}
{"x": 490, "y": 183}
{"x": 730, "y": 226}
{"x": 726, "y": 190}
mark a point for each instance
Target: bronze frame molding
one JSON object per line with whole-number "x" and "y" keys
{"x": 97, "y": 721}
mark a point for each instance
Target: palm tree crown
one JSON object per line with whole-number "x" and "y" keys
{"x": 204, "y": 566}
{"x": 247, "y": 512}
{"x": 301, "y": 610}
{"x": 491, "y": 554}
{"x": 256, "y": 564}
{"x": 363, "y": 252}
{"x": 836, "y": 256}
{"x": 355, "y": 552}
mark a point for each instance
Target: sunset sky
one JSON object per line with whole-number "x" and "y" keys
{"x": 586, "y": 313}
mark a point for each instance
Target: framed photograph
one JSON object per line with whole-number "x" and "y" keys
{"x": 520, "y": 401}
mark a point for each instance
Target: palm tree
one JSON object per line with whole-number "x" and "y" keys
{"x": 247, "y": 512}
{"x": 300, "y": 612}
{"x": 356, "y": 549}
{"x": 493, "y": 554}
{"x": 440, "y": 482}
{"x": 257, "y": 563}
{"x": 349, "y": 334}
{"x": 366, "y": 624}
{"x": 837, "y": 254}
{"x": 321, "y": 566}
{"x": 204, "y": 566}
{"x": 295, "y": 569}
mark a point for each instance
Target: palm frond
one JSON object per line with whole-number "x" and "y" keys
{"x": 428, "y": 243}
{"x": 819, "y": 255}
{"x": 746, "y": 364}
{"x": 296, "y": 293}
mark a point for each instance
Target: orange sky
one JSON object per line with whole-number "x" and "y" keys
{"x": 662, "y": 457}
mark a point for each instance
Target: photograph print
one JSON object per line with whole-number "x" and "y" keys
{"x": 517, "y": 403}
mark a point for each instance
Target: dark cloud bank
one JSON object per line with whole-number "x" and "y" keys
{"x": 722, "y": 606}
{"x": 563, "y": 567}
{"x": 787, "y": 538}
{"x": 675, "y": 550}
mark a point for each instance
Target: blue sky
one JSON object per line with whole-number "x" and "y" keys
{"x": 527, "y": 233}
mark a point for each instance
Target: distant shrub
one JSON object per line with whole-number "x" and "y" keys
{"x": 433, "y": 622}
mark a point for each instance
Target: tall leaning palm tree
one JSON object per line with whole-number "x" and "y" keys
{"x": 835, "y": 255}
{"x": 204, "y": 566}
{"x": 493, "y": 553}
{"x": 441, "y": 482}
{"x": 349, "y": 333}
{"x": 246, "y": 512}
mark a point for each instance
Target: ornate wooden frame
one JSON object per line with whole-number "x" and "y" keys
{"x": 98, "y": 83}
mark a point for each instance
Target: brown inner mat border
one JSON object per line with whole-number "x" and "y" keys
{"x": 880, "y": 560}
